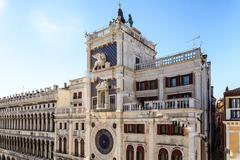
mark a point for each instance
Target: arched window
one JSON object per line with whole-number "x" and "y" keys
{"x": 65, "y": 145}
{"x": 60, "y": 145}
{"x": 82, "y": 148}
{"x": 176, "y": 155}
{"x": 76, "y": 147}
{"x": 3, "y": 157}
{"x": 140, "y": 153}
{"x": 163, "y": 154}
{"x": 130, "y": 153}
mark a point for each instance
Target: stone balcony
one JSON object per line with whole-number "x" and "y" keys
{"x": 233, "y": 114}
{"x": 172, "y": 104}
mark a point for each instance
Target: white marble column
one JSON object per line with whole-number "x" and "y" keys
{"x": 43, "y": 123}
{"x": 50, "y": 150}
{"x": 51, "y": 122}
{"x": 45, "y": 149}
{"x": 46, "y": 124}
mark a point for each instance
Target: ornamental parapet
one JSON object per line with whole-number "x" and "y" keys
{"x": 46, "y": 95}
{"x": 113, "y": 27}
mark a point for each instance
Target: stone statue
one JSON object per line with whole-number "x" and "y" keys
{"x": 130, "y": 20}
{"x": 102, "y": 85}
{"x": 100, "y": 60}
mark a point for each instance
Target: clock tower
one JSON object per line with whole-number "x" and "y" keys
{"x": 112, "y": 53}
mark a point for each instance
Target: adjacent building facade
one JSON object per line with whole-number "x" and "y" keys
{"x": 232, "y": 123}
{"x": 131, "y": 106}
{"x": 218, "y": 144}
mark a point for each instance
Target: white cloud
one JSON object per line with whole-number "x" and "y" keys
{"x": 2, "y": 6}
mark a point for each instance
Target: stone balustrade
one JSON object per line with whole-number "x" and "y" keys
{"x": 178, "y": 58}
{"x": 163, "y": 105}
{"x": 69, "y": 110}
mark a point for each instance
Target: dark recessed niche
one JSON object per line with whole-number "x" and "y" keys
{"x": 114, "y": 158}
{"x": 93, "y": 124}
{"x": 93, "y": 155}
{"x": 114, "y": 125}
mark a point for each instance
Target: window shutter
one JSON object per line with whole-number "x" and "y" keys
{"x": 134, "y": 129}
{"x": 146, "y": 86}
{"x": 125, "y": 128}
{"x": 156, "y": 81}
{"x": 170, "y": 129}
{"x": 137, "y": 86}
{"x": 166, "y": 82}
{"x": 178, "y": 80}
{"x": 191, "y": 78}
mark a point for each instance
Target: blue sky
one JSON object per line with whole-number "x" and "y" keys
{"x": 42, "y": 41}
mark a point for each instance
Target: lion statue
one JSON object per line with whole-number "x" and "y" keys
{"x": 100, "y": 60}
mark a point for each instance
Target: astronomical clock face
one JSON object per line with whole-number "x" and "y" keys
{"x": 104, "y": 141}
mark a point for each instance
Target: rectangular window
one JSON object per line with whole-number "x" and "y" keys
{"x": 76, "y": 126}
{"x": 79, "y": 94}
{"x": 134, "y": 128}
{"x": 180, "y": 80}
{"x": 65, "y": 125}
{"x": 75, "y": 95}
{"x": 60, "y": 125}
{"x": 142, "y": 86}
{"x": 112, "y": 102}
{"x": 147, "y": 85}
{"x": 82, "y": 126}
{"x": 173, "y": 82}
{"x": 186, "y": 79}
{"x": 94, "y": 102}
{"x": 154, "y": 84}
{"x": 169, "y": 129}
{"x": 137, "y": 60}
{"x": 140, "y": 128}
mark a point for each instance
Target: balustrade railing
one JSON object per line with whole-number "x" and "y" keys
{"x": 69, "y": 110}
{"x": 181, "y": 57}
{"x": 162, "y": 105}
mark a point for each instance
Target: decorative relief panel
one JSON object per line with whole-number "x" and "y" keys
{"x": 103, "y": 57}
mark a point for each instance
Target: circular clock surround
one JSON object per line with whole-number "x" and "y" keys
{"x": 104, "y": 141}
